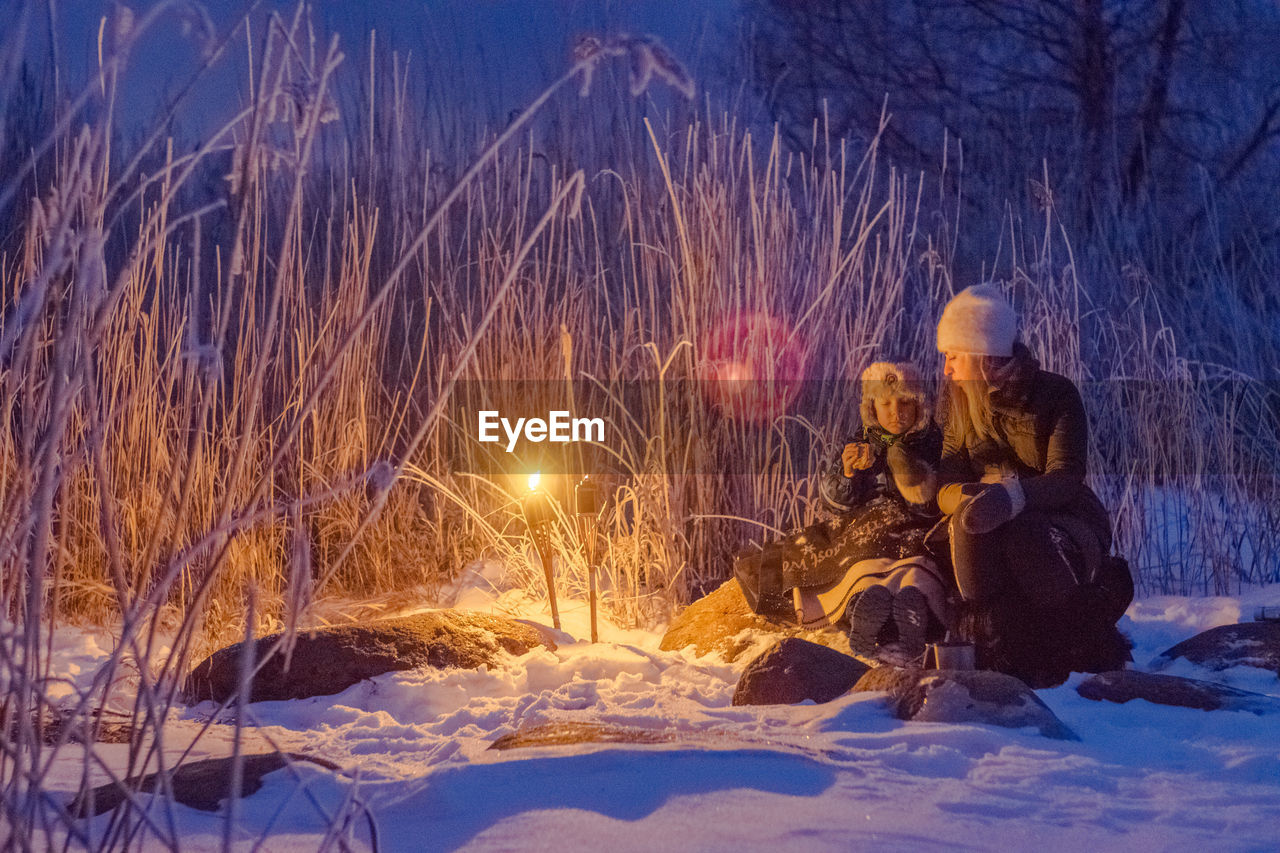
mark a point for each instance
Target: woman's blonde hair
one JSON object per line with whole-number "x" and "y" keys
{"x": 969, "y": 402}
{"x": 969, "y": 405}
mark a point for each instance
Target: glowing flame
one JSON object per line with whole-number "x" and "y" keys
{"x": 533, "y": 480}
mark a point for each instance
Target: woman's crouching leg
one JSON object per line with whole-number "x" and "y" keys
{"x": 979, "y": 563}
{"x": 979, "y": 566}
{"x": 1055, "y": 626}
{"x": 1011, "y": 579}
{"x": 1041, "y": 561}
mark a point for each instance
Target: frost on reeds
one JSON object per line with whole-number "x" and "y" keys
{"x": 646, "y": 57}
{"x": 228, "y": 405}
{"x": 190, "y": 385}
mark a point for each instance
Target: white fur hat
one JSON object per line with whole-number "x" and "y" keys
{"x": 979, "y": 321}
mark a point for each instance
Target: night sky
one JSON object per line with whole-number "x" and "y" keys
{"x": 494, "y": 54}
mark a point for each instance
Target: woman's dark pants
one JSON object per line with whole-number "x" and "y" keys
{"x": 1024, "y": 559}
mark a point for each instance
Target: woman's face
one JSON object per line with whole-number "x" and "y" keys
{"x": 897, "y": 414}
{"x": 962, "y": 366}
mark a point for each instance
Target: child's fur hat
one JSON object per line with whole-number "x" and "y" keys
{"x": 893, "y": 379}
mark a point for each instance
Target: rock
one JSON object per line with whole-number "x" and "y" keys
{"x": 201, "y": 785}
{"x": 1247, "y": 644}
{"x": 1124, "y": 685}
{"x": 964, "y": 696}
{"x": 893, "y": 680}
{"x": 329, "y": 660}
{"x": 563, "y": 734}
{"x": 59, "y": 726}
{"x": 67, "y": 726}
{"x": 794, "y": 670}
{"x": 716, "y": 622}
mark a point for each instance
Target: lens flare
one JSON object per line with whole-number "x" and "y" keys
{"x": 533, "y": 480}
{"x": 753, "y": 365}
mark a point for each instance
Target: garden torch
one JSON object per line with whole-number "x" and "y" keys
{"x": 539, "y": 515}
{"x": 587, "y": 506}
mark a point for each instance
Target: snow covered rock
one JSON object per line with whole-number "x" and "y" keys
{"x": 201, "y": 785}
{"x": 1124, "y": 685}
{"x": 964, "y": 696}
{"x": 794, "y": 670}
{"x": 1247, "y": 644}
{"x": 721, "y": 621}
{"x": 895, "y": 681}
{"x": 329, "y": 660}
{"x": 66, "y": 726}
{"x": 569, "y": 733}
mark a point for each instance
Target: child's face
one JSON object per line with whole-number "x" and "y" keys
{"x": 897, "y": 414}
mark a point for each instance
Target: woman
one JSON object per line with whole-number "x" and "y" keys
{"x": 1029, "y": 539}
{"x": 881, "y": 487}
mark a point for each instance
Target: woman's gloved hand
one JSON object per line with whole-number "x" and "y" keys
{"x": 992, "y": 507}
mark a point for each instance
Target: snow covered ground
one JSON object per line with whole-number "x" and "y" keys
{"x": 844, "y": 775}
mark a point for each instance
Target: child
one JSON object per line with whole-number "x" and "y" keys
{"x": 882, "y": 487}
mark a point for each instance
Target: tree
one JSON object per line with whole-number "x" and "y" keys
{"x": 1130, "y": 102}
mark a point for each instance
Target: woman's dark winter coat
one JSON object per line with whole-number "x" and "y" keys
{"x": 1041, "y": 436}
